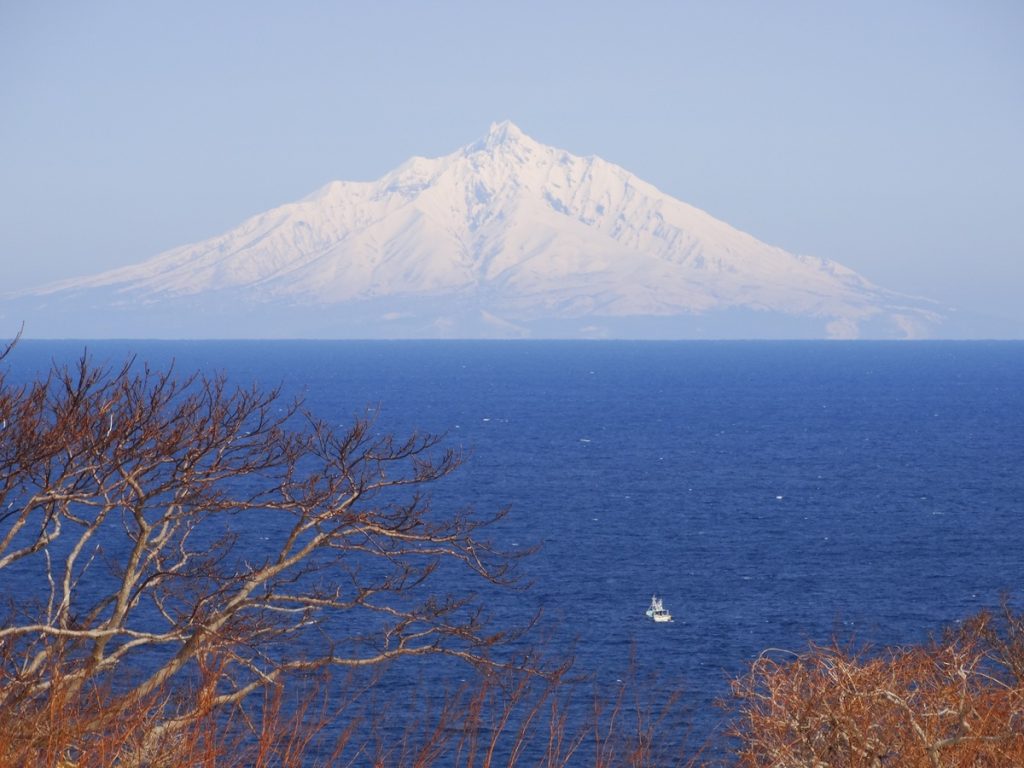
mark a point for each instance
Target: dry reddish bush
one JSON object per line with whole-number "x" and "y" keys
{"x": 956, "y": 701}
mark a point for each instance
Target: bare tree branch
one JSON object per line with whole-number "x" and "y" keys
{"x": 163, "y": 480}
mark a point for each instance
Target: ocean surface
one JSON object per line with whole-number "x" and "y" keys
{"x": 772, "y": 493}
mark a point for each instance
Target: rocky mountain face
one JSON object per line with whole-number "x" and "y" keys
{"x": 505, "y": 237}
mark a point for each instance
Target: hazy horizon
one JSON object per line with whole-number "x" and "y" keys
{"x": 886, "y": 138}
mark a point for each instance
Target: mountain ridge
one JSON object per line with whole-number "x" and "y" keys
{"x": 516, "y": 235}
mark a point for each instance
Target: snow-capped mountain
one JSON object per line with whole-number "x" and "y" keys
{"x": 504, "y": 237}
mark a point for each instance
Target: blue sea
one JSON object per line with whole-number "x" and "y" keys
{"x": 772, "y": 493}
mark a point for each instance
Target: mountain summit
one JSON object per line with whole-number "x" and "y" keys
{"x": 505, "y": 237}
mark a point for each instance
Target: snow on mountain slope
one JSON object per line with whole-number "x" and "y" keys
{"x": 523, "y": 231}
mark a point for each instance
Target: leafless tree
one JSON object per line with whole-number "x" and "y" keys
{"x": 152, "y": 526}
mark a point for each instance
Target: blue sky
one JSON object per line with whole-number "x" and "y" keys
{"x": 888, "y": 136}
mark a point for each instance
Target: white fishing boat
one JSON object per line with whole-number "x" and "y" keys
{"x": 657, "y": 611}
